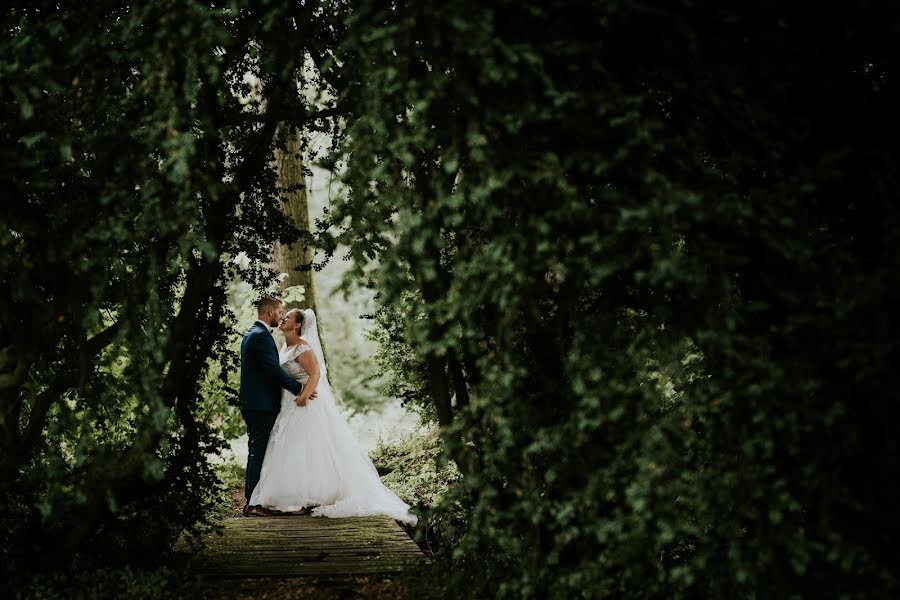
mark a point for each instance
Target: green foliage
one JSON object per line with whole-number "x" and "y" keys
{"x": 352, "y": 374}
{"x": 413, "y": 468}
{"x": 656, "y": 249}
{"x": 232, "y": 477}
{"x": 137, "y": 162}
{"x": 343, "y": 320}
{"x": 231, "y": 474}
{"x": 402, "y": 368}
{"x": 160, "y": 583}
{"x": 417, "y": 469}
{"x": 634, "y": 259}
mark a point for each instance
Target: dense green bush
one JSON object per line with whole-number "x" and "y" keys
{"x": 640, "y": 257}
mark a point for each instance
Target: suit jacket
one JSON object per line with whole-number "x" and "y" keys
{"x": 262, "y": 377}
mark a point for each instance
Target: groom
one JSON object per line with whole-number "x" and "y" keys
{"x": 262, "y": 379}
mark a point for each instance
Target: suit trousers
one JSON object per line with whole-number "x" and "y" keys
{"x": 259, "y": 427}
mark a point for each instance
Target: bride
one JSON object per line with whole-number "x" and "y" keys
{"x": 312, "y": 460}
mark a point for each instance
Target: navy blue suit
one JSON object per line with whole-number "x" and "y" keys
{"x": 262, "y": 380}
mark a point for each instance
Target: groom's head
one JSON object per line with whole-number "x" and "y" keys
{"x": 270, "y": 310}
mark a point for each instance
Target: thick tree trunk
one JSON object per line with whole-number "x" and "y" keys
{"x": 296, "y": 259}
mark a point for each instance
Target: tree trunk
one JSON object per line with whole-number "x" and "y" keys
{"x": 296, "y": 259}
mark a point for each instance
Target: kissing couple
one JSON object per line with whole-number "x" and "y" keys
{"x": 303, "y": 458}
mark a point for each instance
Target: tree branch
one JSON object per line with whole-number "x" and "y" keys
{"x": 184, "y": 369}
{"x": 42, "y": 404}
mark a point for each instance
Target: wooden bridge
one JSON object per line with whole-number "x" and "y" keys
{"x": 304, "y": 546}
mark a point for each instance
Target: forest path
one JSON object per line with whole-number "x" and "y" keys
{"x": 301, "y": 554}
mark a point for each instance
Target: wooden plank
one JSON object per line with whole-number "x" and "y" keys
{"x": 301, "y": 546}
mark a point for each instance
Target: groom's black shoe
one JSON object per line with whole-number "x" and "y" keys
{"x": 256, "y": 511}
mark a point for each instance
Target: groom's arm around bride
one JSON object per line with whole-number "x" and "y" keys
{"x": 261, "y": 347}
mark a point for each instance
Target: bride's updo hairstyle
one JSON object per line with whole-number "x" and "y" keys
{"x": 299, "y": 327}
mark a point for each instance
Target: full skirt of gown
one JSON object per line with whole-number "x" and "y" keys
{"x": 313, "y": 459}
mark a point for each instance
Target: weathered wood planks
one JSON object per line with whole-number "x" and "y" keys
{"x": 284, "y": 547}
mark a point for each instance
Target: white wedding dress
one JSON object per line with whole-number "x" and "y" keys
{"x": 312, "y": 458}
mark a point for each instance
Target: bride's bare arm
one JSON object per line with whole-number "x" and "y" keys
{"x": 308, "y": 361}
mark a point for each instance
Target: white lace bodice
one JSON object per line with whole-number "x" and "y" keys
{"x": 289, "y": 361}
